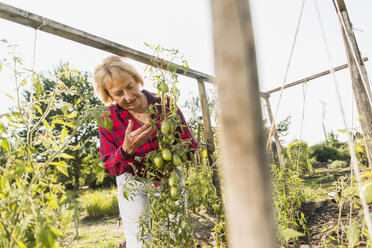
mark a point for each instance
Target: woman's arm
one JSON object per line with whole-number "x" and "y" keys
{"x": 119, "y": 159}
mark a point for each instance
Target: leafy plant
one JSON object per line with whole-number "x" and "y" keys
{"x": 29, "y": 192}
{"x": 84, "y": 146}
{"x": 288, "y": 194}
{"x": 298, "y": 158}
{"x": 183, "y": 188}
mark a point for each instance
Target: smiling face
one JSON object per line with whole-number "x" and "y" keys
{"x": 126, "y": 92}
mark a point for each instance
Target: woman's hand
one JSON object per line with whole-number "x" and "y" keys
{"x": 134, "y": 139}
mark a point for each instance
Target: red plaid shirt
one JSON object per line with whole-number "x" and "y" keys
{"x": 116, "y": 162}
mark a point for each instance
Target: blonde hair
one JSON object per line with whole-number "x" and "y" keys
{"x": 113, "y": 68}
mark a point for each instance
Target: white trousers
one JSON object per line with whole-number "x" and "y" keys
{"x": 132, "y": 208}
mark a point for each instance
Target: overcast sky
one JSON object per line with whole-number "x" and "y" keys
{"x": 186, "y": 25}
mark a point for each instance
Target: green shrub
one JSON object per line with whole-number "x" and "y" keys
{"x": 323, "y": 152}
{"x": 102, "y": 203}
{"x": 337, "y": 164}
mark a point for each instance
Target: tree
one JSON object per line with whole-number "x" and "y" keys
{"x": 84, "y": 147}
{"x": 330, "y": 150}
{"x": 283, "y": 127}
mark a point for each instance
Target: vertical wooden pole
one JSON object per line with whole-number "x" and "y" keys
{"x": 361, "y": 90}
{"x": 248, "y": 202}
{"x": 275, "y": 133}
{"x": 209, "y": 135}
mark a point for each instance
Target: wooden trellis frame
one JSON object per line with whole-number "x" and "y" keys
{"x": 40, "y": 23}
{"x": 238, "y": 12}
{"x": 266, "y": 95}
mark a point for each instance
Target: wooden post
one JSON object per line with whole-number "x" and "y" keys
{"x": 246, "y": 184}
{"x": 274, "y": 133}
{"x": 361, "y": 90}
{"x": 209, "y": 135}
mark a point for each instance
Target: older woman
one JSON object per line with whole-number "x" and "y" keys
{"x": 118, "y": 84}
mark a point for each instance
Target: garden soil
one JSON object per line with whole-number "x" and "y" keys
{"x": 322, "y": 220}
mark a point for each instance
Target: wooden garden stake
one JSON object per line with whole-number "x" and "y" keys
{"x": 360, "y": 83}
{"x": 209, "y": 135}
{"x": 248, "y": 202}
{"x": 274, "y": 133}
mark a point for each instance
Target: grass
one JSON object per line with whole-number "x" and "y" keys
{"x": 100, "y": 232}
{"x": 101, "y": 203}
{"x": 319, "y": 184}
{"x": 94, "y": 233}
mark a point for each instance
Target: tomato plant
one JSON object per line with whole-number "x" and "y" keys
{"x": 35, "y": 144}
{"x": 182, "y": 189}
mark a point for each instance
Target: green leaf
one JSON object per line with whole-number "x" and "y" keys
{"x": 70, "y": 125}
{"x": 290, "y": 233}
{"x": 9, "y": 96}
{"x": 53, "y": 204}
{"x": 107, "y": 113}
{"x": 21, "y": 244}
{"x": 108, "y": 123}
{"x": 39, "y": 109}
{"x": 63, "y": 134}
{"x": 56, "y": 232}
{"x": 61, "y": 166}
{"x": 63, "y": 199}
{"x": 72, "y": 115}
{"x": 367, "y": 174}
{"x": 2, "y": 128}
{"x": 46, "y": 124}
{"x": 5, "y": 144}
{"x": 353, "y": 234}
{"x": 58, "y": 122}
{"x": 39, "y": 89}
{"x": 342, "y": 130}
{"x": 367, "y": 191}
{"x": 65, "y": 155}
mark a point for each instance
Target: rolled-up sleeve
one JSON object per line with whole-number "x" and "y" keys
{"x": 116, "y": 162}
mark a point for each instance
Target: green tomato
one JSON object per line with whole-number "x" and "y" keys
{"x": 174, "y": 124}
{"x": 163, "y": 87}
{"x": 176, "y": 160}
{"x": 174, "y": 192}
{"x": 173, "y": 179}
{"x": 171, "y": 125}
{"x": 164, "y": 127}
{"x": 159, "y": 161}
{"x": 166, "y": 154}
